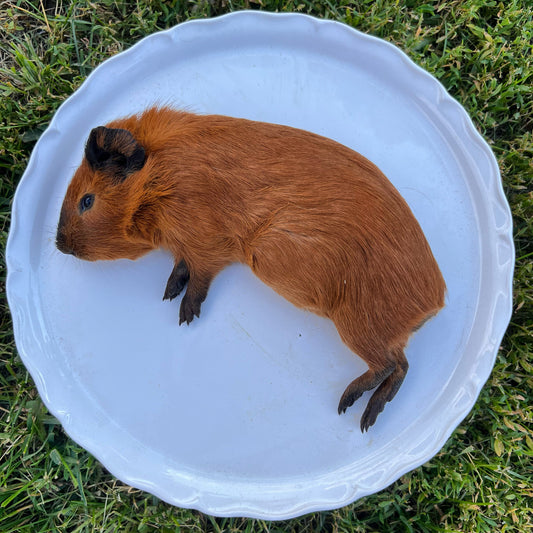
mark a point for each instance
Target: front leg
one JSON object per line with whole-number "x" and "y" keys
{"x": 177, "y": 280}
{"x": 194, "y": 296}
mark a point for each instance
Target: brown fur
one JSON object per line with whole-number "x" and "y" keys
{"x": 313, "y": 219}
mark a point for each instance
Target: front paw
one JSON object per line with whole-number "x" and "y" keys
{"x": 174, "y": 287}
{"x": 177, "y": 280}
{"x": 189, "y": 308}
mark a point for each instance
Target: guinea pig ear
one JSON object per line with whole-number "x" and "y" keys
{"x": 114, "y": 151}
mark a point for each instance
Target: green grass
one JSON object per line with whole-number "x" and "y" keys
{"x": 482, "y": 479}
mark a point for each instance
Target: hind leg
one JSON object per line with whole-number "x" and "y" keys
{"x": 385, "y": 392}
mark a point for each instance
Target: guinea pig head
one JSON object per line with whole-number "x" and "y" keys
{"x": 101, "y": 201}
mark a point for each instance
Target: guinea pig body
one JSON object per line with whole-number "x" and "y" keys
{"x": 314, "y": 220}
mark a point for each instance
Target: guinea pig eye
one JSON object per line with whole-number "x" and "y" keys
{"x": 86, "y": 202}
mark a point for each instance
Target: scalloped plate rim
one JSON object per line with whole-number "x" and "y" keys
{"x": 290, "y": 508}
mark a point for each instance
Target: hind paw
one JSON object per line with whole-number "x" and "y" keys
{"x": 358, "y": 386}
{"x": 373, "y": 408}
{"x": 349, "y": 397}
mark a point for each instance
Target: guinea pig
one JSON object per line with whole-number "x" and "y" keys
{"x": 313, "y": 219}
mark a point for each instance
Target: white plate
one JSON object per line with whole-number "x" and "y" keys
{"x": 236, "y": 414}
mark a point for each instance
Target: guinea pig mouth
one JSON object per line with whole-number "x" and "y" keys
{"x": 62, "y": 245}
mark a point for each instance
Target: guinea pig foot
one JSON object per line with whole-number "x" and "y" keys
{"x": 189, "y": 308}
{"x": 194, "y": 296}
{"x": 177, "y": 280}
{"x": 375, "y": 405}
{"x": 348, "y": 399}
{"x": 369, "y": 380}
{"x": 384, "y": 393}
{"x": 370, "y": 415}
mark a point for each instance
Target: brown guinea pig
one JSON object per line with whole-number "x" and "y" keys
{"x": 313, "y": 219}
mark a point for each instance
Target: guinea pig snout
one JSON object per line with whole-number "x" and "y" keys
{"x": 62, "y": 243}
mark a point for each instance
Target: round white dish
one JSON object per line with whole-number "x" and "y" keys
{"x": 235, "y": 415}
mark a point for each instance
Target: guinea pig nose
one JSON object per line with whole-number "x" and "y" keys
{"x": 61, "y": 244}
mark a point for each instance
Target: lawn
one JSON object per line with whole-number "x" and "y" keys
{"x": 482, "y": 480}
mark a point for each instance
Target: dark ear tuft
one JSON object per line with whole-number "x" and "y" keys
{"x": 114, "y": 151}
{"x": 94, "y": 149}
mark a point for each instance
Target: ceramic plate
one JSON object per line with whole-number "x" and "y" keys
{"x": 236, "y": 414}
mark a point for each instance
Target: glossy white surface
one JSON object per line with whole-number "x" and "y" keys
{"x": 236, "y": 414}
